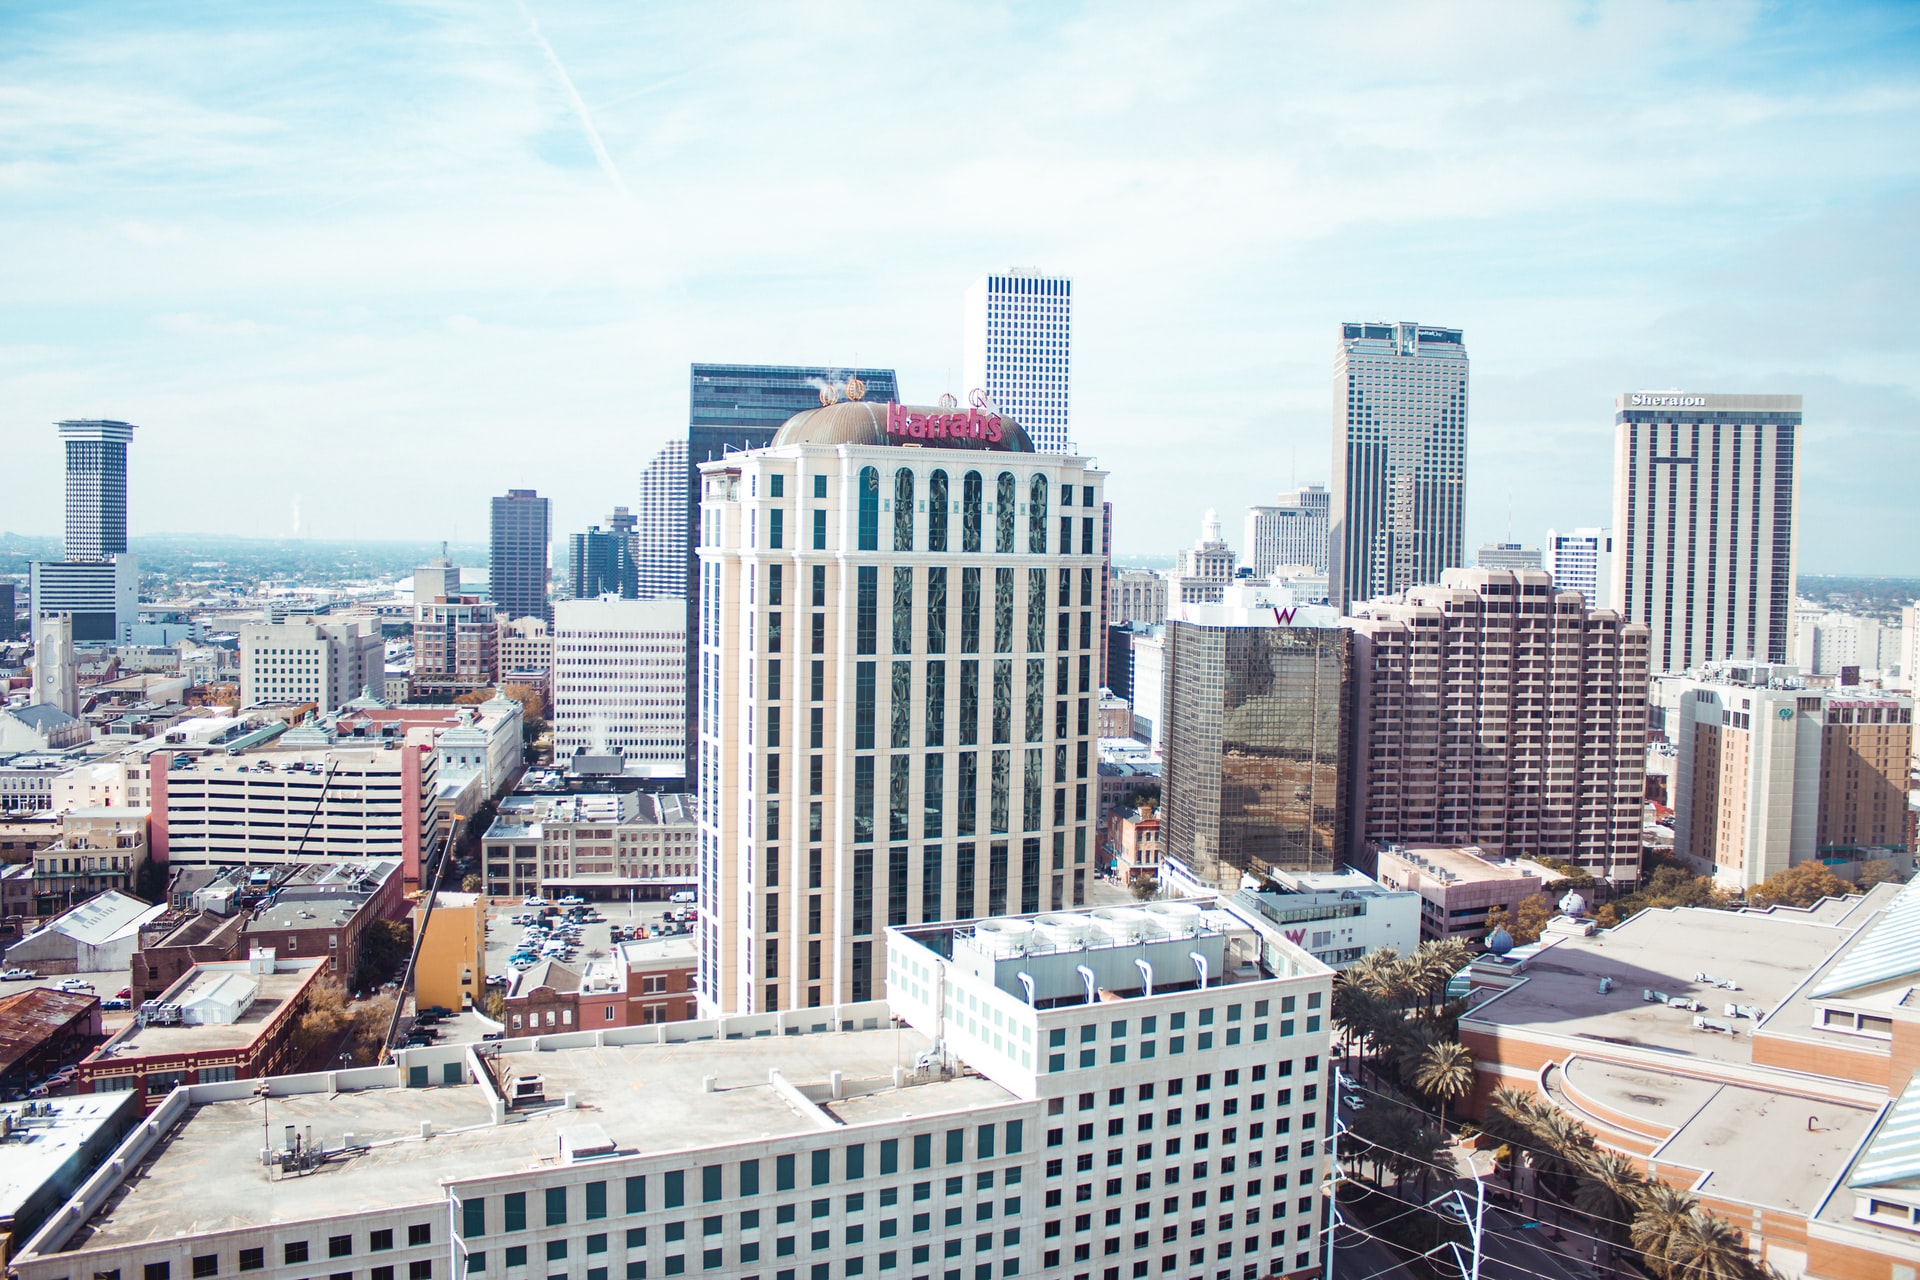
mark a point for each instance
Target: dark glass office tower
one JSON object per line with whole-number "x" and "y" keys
{"x": 96, "y": 487}
{"x": 602, "y": 561}
{"x": 735, "y": 407}
{"x": 1256, "y": 748}
{"x": 517, "y": 569}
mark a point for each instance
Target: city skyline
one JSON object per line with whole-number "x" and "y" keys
{"x": 487, "y": 272}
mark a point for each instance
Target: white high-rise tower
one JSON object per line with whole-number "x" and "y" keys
{"x": 1706, "y": 523}
{"x": 1018, "y": 349}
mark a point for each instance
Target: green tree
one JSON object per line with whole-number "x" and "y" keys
{"x": 1527, "y": 922}
{"x": 472, "y": 884}
{"x": 384, "y": 947}
{"x": 1445, "y": 1072}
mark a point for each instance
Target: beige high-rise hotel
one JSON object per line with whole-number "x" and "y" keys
{"x": 899, "y": 663}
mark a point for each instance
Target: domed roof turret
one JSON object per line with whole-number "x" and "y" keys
{"x": 1499, "y": 942}
{"x": 871, "y": 422}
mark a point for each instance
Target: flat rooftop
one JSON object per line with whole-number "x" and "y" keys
{"x": 1463, "y": 864}
{"x": 206, "y": 1176}
{"x": 1768, "y": 955}
{"x": 40, "y": 1145}
{"x": 274, "y": 990}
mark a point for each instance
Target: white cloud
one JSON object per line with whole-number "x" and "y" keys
{"x": 392, "y": 234}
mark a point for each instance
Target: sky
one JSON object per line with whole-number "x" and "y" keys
{"x": 352, "y": 268}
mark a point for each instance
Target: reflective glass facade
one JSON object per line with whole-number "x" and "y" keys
{"x": 1256, "y": 746}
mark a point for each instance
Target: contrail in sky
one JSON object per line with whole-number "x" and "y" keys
{"x": 579, "y": 104}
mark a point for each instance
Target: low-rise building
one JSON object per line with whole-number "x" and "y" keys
{"x": 229, "y": 1020}
{"x": 450, "y": 963}
{"x": 17, "y": 911}
{"x": 171, "y": 945}
{"x": 99, "y": 849}
{"x": 98, "y": 936}
{"x": 1133, "y": 844}
{"x": 950, "y": 1123}
{"x": 1764, "y": 1060}
{"x": 47, "y": 1149}
{"x": 324, "y": 662}
{"x": 607, "y": 846}
{"x": 1458, "y": 887}
{"x": 42, "y": 1030}
{"x": 526, "y": 655}
{"x": 1340, "y": 916}
{"x": 324, "y": 910}
{"x": 27, "y": 778}
{"x": 636, "y": 984}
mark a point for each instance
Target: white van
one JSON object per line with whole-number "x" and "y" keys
{"x": 684, "y": 895}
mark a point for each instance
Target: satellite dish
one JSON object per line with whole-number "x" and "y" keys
{"x": 1499, "y": 942}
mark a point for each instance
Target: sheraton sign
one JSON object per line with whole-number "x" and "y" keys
{"x": 969, "y": 424}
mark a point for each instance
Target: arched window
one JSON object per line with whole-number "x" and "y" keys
{"x": 1003, "y": 514}
{"x": 1037, "y": 516}
{"x": 869, "y": 509}
{"x": 937, "y": 511}
{"x": 970, "y": 511}
{"x": 903, "y": 510}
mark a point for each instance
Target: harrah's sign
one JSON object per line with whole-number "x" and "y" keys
{"x": 970, "y": 424}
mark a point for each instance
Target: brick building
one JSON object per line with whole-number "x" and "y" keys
{"x": 230, "y": 1020}
{"x": 641, "y": 983}
{"x": 42, "y": 1030}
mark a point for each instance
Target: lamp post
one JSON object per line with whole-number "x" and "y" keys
{"x": 1473, "y": 1222}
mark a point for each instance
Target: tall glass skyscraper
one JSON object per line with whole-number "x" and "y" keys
{"x": 517, "y": 569}
{"x": 96, "y": 487}
{"x": 1017, "y": 347}
{"x": 735, "y": 407}
{"x": 1256, "y": 745}
{"x": 1706, "y": 523}
{"x": 1399, "y": 458}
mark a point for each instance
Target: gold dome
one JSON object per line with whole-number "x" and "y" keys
{"x": 865, "y": 422}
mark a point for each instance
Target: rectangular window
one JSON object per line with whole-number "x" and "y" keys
{"x": 956, "y": 1145}
{"x": 776, "y": 528}
{"x": 966, "y": 796}
{"x": 596, "y": 1200}
{"x": 822, "y": 1168}
{"x": 1036, "y": 611}
{"x": 206, "y": 1264}
{"x": 864, "y": 710}
{"x": 1003, "y": 611}
{"x": 637, "y": 1194}
{"x": 863, "y": 892}
{"x": 1034, "y": 775}
{"x": 676, "y": 1191}
{"x": 896, "y": 886}
{"x": 963, "y": 877}
{"x": 902, "y": 609}
{"x": 997, "y": 878}
{"x": 863, "y": 799}
{"x": 749, "y": 1179}
{"x": 1002, "y": 776}
{"x": 866, "y": 613}
{"x": 819, "y": 525}
{"x": 936, "y": 610}
{"x": 710, "y": 1183}
{"x": 969, "y": 702}
{"x": 969, "y": 610}
{"x": 932, "y": 815}
{"x": 901, "y": 706}
{"x": 295, "y": 1250}
{"x": 556, "y": 1206}
{"x": 1002, "y": 700}
{"x": 783, "y": 1173}
{"x": 923, "y": 1151}
{"x": 513, "y": 1215}
{"x": 473, "y": 1222}
{"x": 899, "y": 769}
{"x": 252, "y": 1259}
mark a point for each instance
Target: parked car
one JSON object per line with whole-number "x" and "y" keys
{"x": 116, "y": 1002}
{"x": 494, "y": 1035}
{"x": 124, "y": 993}
{"x": 496, "y": 979}
{"x": 75, "y": 985}
{"x": 572, "y": 900}
{"x": 17, "y": 975}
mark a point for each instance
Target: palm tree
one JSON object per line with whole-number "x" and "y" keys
{"x": 1707, "y": 1247}
{"x": 1568, "y": 1143}
{"x": 1610, "y": 1190}
{"x": 1438, "y": 961}
{"x": 1445, "y": 1072}
{"x": 1663, "y": 1207}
